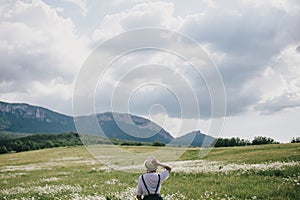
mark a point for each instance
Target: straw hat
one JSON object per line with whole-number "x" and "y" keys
{"x": 150, "y": 166}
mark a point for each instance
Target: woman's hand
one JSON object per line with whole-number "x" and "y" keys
{"x": 168, "y": 168}
{"x": 157, "y": 163}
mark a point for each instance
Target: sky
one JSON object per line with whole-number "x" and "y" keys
{"x": 227, "y": 68}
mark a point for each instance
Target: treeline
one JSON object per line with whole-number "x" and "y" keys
{"x": 42, "y": 141}
{"x": 295, "y": 140}
{"x": 93, "y": 139}
{"x": 39, "y": 141}
{"x": 235, "y": 141}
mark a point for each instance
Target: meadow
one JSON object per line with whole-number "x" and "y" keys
{"x": 250, "y": 172}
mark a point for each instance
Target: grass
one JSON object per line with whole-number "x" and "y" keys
{"x": 250, "y": 154}
{"x": 43, "y": 155}
{"x": 234, "y": 185}
{"x": 72, "y": 173}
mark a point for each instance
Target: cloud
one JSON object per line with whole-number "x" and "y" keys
{"x": 284, "y": 71}
{"x": 238, "y": 28}
{"x": 145, "y": 78}
{"x": 37, "y": 46}
{"x": 298, "y": 49}
{"x": 118, "y": 2}
{"x": 242, "y": 38}
{"x": 172, "y": 73}
{"x": 286, "y": 101}
{"x": 82, "y": 4}
{"x": 149, "y": 14}
{"x": 250, "y": 42}
{"x": 255, "y": 45}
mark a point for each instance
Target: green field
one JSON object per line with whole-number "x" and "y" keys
{"x": 251, "y": 172}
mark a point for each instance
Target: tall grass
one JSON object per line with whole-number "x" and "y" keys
{"x": 250, "y": 154}
{"x": 71, "y": 173}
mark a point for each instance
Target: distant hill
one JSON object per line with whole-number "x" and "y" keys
{"x": 17, "y": 119}
{"x": 123, "y": 126}
{"x": 195, "y": 138}
{"x": 27, "y": 119}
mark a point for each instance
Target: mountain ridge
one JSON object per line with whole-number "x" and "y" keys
{"x": 26, "y": 118}
{"x": 22, "y": 117}
{"x": 195, "y": 138}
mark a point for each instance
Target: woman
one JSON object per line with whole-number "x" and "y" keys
{"x": 149, "y": 184}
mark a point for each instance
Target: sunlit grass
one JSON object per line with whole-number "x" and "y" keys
{"x": 252, "y": 154}
{"x": 72, "y": 173}
{"x": 43, "y": 155}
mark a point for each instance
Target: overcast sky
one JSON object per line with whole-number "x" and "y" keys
{"x": 254, "y": 45}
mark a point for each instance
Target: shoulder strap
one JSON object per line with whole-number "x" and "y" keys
{"x": 145, "y": 185}
{"x": 157, "y": 183}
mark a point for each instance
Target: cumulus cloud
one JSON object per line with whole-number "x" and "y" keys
{"x": 254, "y": 44}
{"x": 148, "y": 14}
{"x": 285, "y": 93}
{"x": 37, "y": 48}
{"x": 82, "y": 4}
{"x": 149, "y": 77}
{"x": 241, "y": 37}
{"x": 238, "y": 28}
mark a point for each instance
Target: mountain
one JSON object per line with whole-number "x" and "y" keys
{"x": 122, "y": 126}
{"x": 25, "y": 118}
{"x": 195, "y": 138}
{"x": 21, "y": 118}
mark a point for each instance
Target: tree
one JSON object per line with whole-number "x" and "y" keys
{"x": 158, "y": 143}
{"x": 3, "y": 149}
{"x": 258, "y": 140}
{"x": 295, "y": 140}
{"x": 232, "y": 142}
